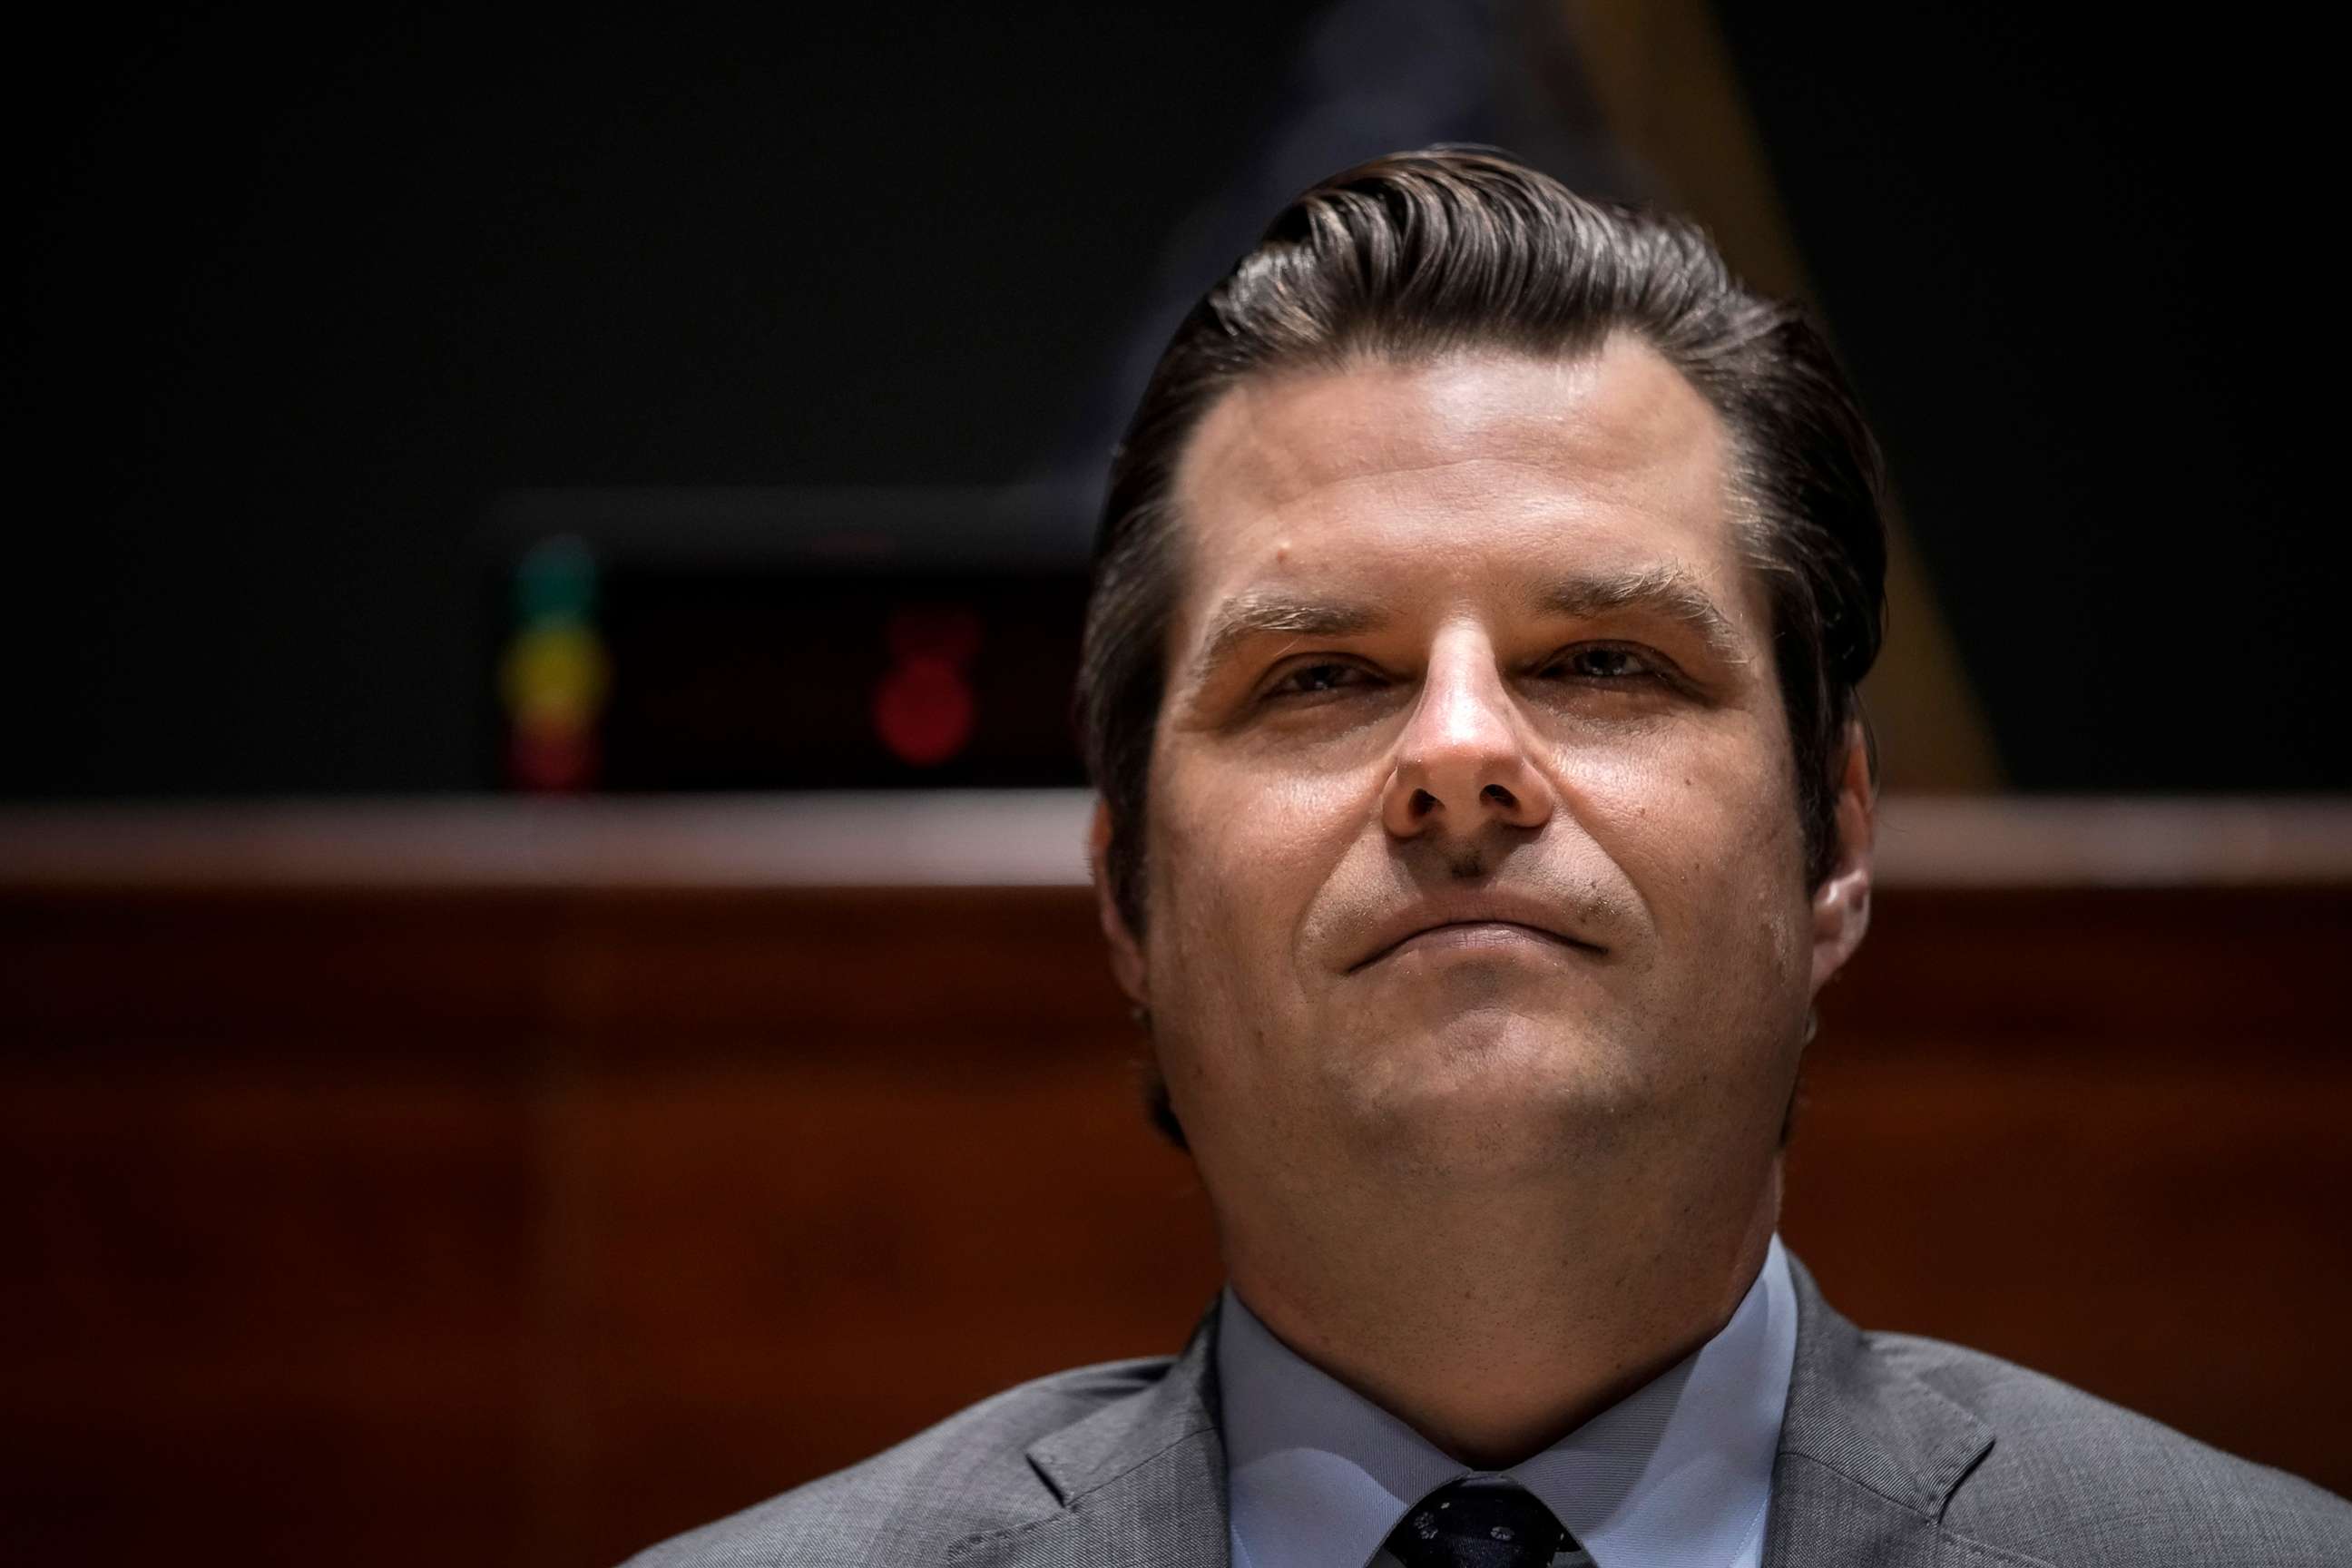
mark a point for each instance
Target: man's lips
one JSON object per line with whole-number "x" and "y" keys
{"x": 1469, "y": 923}
{"x": 1471, "y": 933}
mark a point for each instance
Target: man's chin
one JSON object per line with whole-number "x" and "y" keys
{"x": 1507, "y": 1092}
{"x": 1514, "y": 1031}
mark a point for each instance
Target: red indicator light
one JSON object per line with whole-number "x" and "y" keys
{"x": 923, "y": 710}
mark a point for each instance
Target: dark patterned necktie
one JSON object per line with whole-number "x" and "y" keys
{"x": 1482, "y": 1522}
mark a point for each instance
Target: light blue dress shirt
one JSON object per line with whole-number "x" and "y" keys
{"x": 1676, "y": 1475}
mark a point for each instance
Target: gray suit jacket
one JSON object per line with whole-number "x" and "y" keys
{"x": 1896, "y": 1451}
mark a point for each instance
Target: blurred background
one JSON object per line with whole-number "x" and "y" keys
{"x": 545, "y": 987}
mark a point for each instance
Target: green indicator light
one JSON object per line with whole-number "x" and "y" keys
{"x": 556, "y": 582}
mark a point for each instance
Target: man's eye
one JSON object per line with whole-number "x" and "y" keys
{"x": 1313, "y": 679}
{"x": 1604, "y": 663}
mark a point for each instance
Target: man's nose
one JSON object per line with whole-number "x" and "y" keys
{"x": 1462, "y": 760}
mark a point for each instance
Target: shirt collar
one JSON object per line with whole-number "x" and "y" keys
{"x": 1678, "y": 1472}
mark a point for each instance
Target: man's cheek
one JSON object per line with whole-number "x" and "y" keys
{"x": 1202, "y": 928}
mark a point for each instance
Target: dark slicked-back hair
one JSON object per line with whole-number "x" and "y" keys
{"x": 1421, "y": 254}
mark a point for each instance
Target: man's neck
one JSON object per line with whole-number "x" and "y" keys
{"x": 1495, "y": 1328}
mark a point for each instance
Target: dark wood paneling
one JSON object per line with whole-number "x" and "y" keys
{"x": 492, "y": 1226}
{"x": 253, "y": 1307}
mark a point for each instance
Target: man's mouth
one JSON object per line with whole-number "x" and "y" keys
{"x": 1469, "y": 931}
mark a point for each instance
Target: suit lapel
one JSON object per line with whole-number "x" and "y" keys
{"x": 1869, "y": 1455}
{"x": 1141, "y": 1481}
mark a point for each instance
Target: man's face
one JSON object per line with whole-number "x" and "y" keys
{"x": 1472, "y": 839}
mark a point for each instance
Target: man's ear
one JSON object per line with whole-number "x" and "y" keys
{"x": 1126, "y": 951}
{"x": 1841, "y": 903}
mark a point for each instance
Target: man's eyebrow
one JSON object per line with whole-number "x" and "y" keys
{"x": 1664, "y": 590}
{"x": 1270, "y": 611}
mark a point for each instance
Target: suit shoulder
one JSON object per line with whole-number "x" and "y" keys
{"x": 2074, "y": 1478}
{"x": 967, "y": 1476}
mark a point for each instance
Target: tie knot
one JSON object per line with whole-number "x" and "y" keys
{"x": 1482, "y": 1522}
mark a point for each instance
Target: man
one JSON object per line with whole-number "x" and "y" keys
{"x": 1470, "y": 682}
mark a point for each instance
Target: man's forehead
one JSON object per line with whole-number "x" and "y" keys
{"x": 1606, "y": 460}
{"x": 1612, "y": 415}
